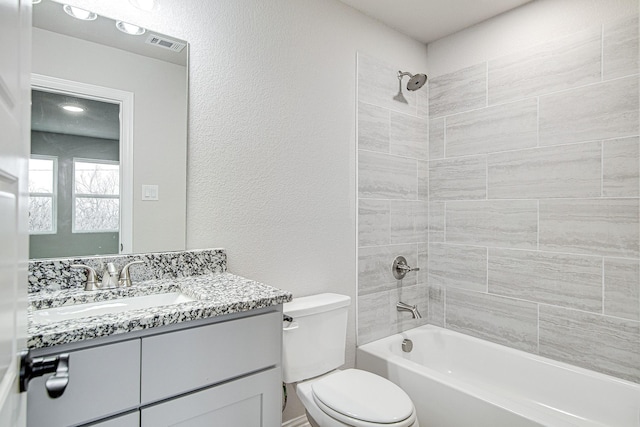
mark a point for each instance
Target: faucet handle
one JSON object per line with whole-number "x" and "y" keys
{"x": 92, "y": 278}
{"x": 399, "y": 268}
{"x": 125, "y": 276}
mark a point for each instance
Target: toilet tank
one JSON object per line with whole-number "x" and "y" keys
{"x": 314, "y": 342}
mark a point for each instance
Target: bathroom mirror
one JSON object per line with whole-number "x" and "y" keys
{"x": 145, "y": 77}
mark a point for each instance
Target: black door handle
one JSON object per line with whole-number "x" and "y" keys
{"x": 36, "y": 367}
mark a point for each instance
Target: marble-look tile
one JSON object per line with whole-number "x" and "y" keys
{"x": 458, "y": 266}
{"x": 573, "y": 281}
{"x": 423, "y": 263}
{"x": 373, "y": 317}
{"x": 549, "y": 67}
{"x": 378, "y": 85}
{"x": 606, "y": 227}
{"x": 601, "y": 343}
{"x": 373, "y": 128}
{"x": 56, "y": 274}
{"x": 373, "y": 222}
{"x": 423, "y": 180}
{"x": 463, "y": 178}
{"x": 462, "y": 90}
{"x": 622, "y": 288}
{"x": 408, "y": 221}
{"x": 413, "y": 295}
{"x": 436, "y": 305}
{"x": 620, "y": 48}
{"x": 497, "y": 223}
{"x": 409, "y": 136}
{"x": 436, "y": 221}
{"x": 497, "y": 319}
{"x": 499, "y": 128}
{"x": 385, "y": 176}
{"x": 422, "y": 99}
{"x": 568, "y": 171}
{"x": 436, "y": 138}
{"x": 620, "y": 164}
{"x": 374, "y": 267}
{"x": 599, "y": 111}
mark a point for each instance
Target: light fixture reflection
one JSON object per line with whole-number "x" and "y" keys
{"x": 78, "y": 13}
{"x": 127, "y": 28}
{"x": 73, "y": 108}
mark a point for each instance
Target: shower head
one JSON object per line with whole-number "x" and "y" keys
{"x": 416, "y": 81}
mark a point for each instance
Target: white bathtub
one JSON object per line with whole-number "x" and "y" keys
{"x": 460, "y": 381}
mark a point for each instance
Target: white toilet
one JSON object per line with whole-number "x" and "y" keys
{"x": 313, "y": 347}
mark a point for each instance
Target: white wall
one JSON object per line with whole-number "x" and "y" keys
{"x": 159, "y": 133}
{"x": 520, "y": 28}
{"x": 271, "y": 164}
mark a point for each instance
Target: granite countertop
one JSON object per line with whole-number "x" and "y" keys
{"x": 213, "y": 294}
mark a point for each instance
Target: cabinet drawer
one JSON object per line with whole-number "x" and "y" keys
{"x": 253, "y": 401}
{"x": 102, "y": 381}
{"x": 175, "y": 363}
{"x": 129, "y": 420}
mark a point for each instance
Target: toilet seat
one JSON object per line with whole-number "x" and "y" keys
{"x": 362, "y": 399}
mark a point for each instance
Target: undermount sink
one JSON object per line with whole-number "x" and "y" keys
{"x": 121, "y": 305}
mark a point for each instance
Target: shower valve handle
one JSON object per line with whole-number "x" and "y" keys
{"x": 399, "y": 268}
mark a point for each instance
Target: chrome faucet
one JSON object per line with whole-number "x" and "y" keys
{"x": 92, "y": 278}
{"x": 110, "y": 277}
{"x": 125, "y": 277}
{"x": 413, "y": 309}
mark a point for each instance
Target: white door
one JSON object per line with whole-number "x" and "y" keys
{"x": 15, "y": 57}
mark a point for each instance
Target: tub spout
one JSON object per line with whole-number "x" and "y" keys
{"x": 413, "y": 309}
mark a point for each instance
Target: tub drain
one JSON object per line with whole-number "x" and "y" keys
{"x": 407, "y": 345}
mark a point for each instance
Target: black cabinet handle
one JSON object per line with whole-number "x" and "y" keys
{"x": 36, "y": 367}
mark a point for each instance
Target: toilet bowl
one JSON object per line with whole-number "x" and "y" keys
{"x": 355, "y": 398}
{"x": 314, "y": 339}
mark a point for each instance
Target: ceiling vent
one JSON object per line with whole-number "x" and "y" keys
{"x": 165, "y": 43}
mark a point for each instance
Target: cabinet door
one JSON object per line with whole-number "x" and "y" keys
{"x": 103, "y": 381}
{"x": 175, "y": 363}
{"x": 129, "y": 420}
{"x": 253, "y": 401}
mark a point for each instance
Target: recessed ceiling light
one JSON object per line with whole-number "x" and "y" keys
{"x": 144, "y": 4}
{"x": 78, "y": 13}
{"x": 73, "y": 108}
{"x": 134, "y": 30}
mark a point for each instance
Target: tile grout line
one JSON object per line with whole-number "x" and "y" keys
{"x": 602, "y": 53}
{"x": 538, "y": 226}
{"x": 603, "y": 286}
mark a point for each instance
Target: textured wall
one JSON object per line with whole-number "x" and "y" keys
{"x": 533, "y": 191}
{"x": 392, "y": 198}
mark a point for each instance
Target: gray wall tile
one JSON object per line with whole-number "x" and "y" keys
{"x": 386, "y": 176}
{"x": 622, "y": 288}
{"x": 459, "y": 91}
{"x": 503, "y": 223}
{"x": 567, "y": 280}
{"x": 409, "y": 136}
{"x": 620, "y": 48}
{"x": 436, "y": 305}
{"x": 501, "y": 320}
{"x": 373, "y": 128}
{"x": 500, "y": 128}
{"x": 620, "y": 164}
{"x": 570, "y": 171}
{"x": 373, "y": 317}
{"x": 373, "y": 222}
{"x": 374, "y": 267}
{"x": 423, "y": 263}
{"x": 436, "y": 222}
{"x": 560, "y": 64}
{"x": 408, "y": 221}
{"x": 436, "y": 138}
{"x": 607, "y": 227}
{"x": 458, "y": 266}
{"x": 422, "y": 99}
{"x": 458, "y": 179}
{"x": 604, "y": 344}
{"x": 378, "y": 85}
{"x": 423, "y": 180}
{"x": 600, "y": 111}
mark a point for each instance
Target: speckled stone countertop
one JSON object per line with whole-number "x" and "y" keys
{"x": 214, "y": 295}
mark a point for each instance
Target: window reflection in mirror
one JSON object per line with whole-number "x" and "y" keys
{"x": 74, "y": 176}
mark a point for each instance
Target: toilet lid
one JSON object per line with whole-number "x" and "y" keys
{"x": 363, "y": 396}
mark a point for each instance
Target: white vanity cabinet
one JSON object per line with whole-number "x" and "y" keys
{"x": 221, "y": 372}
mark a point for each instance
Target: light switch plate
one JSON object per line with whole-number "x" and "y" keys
{"x": 149, "y": 192}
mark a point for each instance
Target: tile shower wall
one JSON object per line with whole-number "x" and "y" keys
{"x": 392, "y": 199}
{"x": 533, "y": 183}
